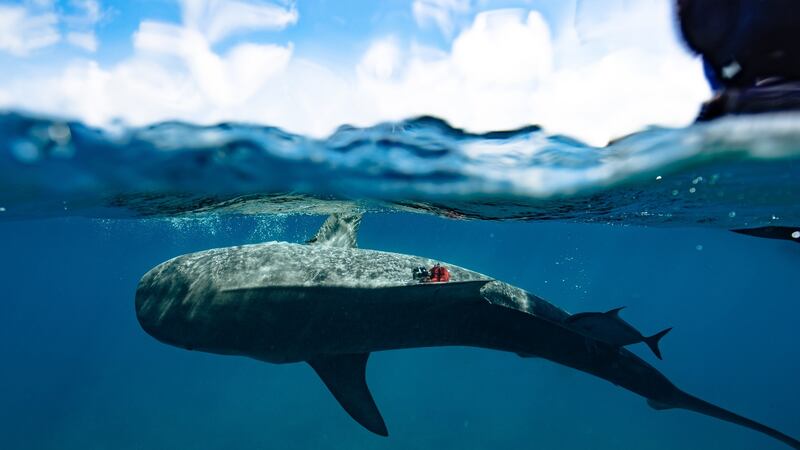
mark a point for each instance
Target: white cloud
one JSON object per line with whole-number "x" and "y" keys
{"x": 625, "y": 72}
{"x": 382, "y": 59}
{"x": 35, "y": 24}
{"x": 85, "y": 40}
{"x": 504, "y": 47}
{"x": 23, "y": 31}
{"x": 223, "y": 80}
{"x": 91, "y": 12}
{"x": 81, "y": 22}
{"x": 218, "y": 19}
{"x": 174, "y": 73}
{"x": 440, "y": 13}
{"x": 484, "y": 82}
{"x": 619, "y": 72}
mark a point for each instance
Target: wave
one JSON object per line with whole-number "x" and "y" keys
{"x": 733, "y": 172}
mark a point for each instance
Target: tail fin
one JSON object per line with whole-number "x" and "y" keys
{"x": 652, "y": 341}
{"x": 695, "y": 404}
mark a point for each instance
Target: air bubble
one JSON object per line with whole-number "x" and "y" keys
{"x": 59, "y": 133}
{"x": 25, "y": 151}
{"x": 796, "y": 235}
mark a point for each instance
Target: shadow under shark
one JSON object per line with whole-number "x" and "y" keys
{"x": 330, "y": 304}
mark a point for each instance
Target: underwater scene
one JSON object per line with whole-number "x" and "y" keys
{"x": 192, "y": 259}
{"x": 78, "y": 236}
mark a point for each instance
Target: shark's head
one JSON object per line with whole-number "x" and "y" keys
{"x": 161, "y": 304}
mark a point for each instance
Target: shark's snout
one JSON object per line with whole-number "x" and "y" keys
{"x": 159, "y": 295}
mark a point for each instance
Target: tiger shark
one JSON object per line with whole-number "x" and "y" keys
{"x": 331, "y": 304}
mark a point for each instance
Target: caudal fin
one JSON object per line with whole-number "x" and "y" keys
{"x": 703, "y": 407}
{"x": 652, "y": 341}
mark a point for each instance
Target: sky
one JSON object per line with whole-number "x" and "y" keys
{"x": 590, "y": 69}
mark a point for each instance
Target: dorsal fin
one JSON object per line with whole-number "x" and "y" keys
{"x": 346, "y": 378}
{"x": 338, "y": 230}
{"x": 615, "y": 312}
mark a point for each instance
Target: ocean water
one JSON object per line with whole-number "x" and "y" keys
{"x": 641, "y": 223}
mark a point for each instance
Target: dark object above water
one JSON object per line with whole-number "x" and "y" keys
{"x": 743, "y": 41}
{"x": 767, "y": 96}
{"x": 784, "y": 233}
{"x": 750, "y": 51}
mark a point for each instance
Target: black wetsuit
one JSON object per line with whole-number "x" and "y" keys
{"x": 751, "y": 51}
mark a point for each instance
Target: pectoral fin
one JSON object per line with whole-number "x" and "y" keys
{"x": 345, "y": 377}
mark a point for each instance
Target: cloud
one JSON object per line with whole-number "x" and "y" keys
{"x": 504, "y": 47}
{"x": 484, "y": 82}
{"x": 618, "y": 72}
{"x": 440, "y": 13}
{"x": 173, "y": 73}
{"x": 36, "y": 23}
{"x": 86, "y": 41}
{"x": 382, "y": 59}
{"x": 90, "y": 12}
{"x": 625, "y": 71}
{"x": 23, "y": 31}
{"x": 219, "y": 19}
{"x": 224, "y": 80}
{"x": 81, "y": 21}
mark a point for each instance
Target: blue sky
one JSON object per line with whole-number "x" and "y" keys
{"x": 593, "y": 69}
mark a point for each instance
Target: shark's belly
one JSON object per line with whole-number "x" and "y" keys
{"x": 285, "y": 324}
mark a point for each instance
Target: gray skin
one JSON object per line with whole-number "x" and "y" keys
{"x": 331, "y": 306}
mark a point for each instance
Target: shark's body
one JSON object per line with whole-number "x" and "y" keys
{"x": 331, "y": 306}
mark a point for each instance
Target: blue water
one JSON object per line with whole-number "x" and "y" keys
{"x": 85, "y": 217}
{"x": 732, "y": 173}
